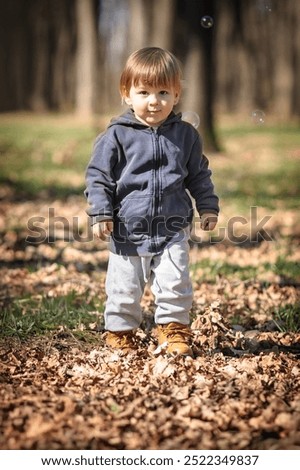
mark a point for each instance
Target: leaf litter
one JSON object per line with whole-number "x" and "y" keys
{"x": 84, "y": 397}
{"x": 240, "y": 391}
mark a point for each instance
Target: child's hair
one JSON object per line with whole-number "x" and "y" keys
{"x": 152, "y": 66}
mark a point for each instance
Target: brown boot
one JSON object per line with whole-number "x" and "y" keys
{"x": 177, "y": 336}
{"x": 122, "y": 340}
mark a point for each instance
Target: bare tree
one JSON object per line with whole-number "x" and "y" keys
{"x": 151, "y": 23}
{"x": 248, "y": 58}
{"x": 162, "y": 21}
{"x": 194, "y": 43}
{"x": 85, "y": 56}
{"x": 139, "y": 24}
{"x": 258, "y": 57}
{"x": 13, "y": 56}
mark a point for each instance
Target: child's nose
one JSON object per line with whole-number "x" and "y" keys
{"x": 153, "y": 98}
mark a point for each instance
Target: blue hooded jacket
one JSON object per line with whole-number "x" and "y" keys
{"x": 144, "y": 178}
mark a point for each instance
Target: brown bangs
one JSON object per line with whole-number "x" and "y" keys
{"x": 151, "y": 66}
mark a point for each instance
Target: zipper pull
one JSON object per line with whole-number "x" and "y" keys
{"x": 154, "y": 130}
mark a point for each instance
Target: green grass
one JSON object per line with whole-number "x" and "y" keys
{"x": 41, "y": 155}
{"x": 44, "y": 157}
{"x": 286, "y": 269}
{"x": 31, "y": 316}
{"x": 209, "y": 270}
{"x": 287, "y": 318}
{"x": 264, "y": 189}
{"x": 206, "y": 269}
{"x": 283, "y": 137}
{"x": 265, "y": 168}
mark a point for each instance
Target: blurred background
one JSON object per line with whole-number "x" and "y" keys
{"x": 238, "y": 56}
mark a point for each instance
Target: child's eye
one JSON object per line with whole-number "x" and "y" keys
{"x": 164, "y": 92}
{"x": 143, "y": 92}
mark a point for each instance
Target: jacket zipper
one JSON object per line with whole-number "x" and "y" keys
{"x": 156, "y": 191}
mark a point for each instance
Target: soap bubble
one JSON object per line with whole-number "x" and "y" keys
{"x": 264, "y": 6}
{"x": 191, "y": 117}
{"x": 207, "y": 21}
{"x": 258, "y": 117}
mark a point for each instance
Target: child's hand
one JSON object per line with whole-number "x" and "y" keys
{"x": 103, "y": 229}
{"x": 208, "y": 221}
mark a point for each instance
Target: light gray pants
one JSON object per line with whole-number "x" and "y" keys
{"x": 168, "y": 275}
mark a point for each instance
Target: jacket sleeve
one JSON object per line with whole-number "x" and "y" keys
{"x": 199, "y": 182}
{"x": 100, "y": 181}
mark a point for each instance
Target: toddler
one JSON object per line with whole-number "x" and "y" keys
{"x": 144, "y": 170}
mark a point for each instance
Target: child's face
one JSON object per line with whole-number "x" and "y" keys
{"x": 151, "y": 105}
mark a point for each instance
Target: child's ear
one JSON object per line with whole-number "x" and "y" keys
{"x": 125, "y": 96}
{"x": 127, "y": 100}
{"x": 177, "y": 96}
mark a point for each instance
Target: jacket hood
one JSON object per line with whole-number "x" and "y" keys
{"x": 128, "y": 119}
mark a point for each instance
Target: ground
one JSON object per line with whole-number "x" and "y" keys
{"x": 59, "y": 393}
{"x": 62, "y": 388}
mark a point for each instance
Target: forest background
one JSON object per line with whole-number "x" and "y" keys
{"x": 67, "y": 56}
{"x": 60, "y": 386}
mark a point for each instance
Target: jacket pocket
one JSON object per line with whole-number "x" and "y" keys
{"x": 177, "y": 210}
{"x": 176, "y": 204}
{"x": 134, "y": 215}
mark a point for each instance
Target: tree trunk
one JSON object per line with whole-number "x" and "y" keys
{"x": 40, "y": 24}
{"x": 13, "y": 56}
{"x": 63, "y": 46}
{"x": 162, "y": 20}
{"x": 283, "y": 73}
{"x": 295, "y": 35}
{"x": 85, "y": 57}
{"x": 139, "y": 24}
{"x": 195, "y": 46}
{"x": 249, "y": 59}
